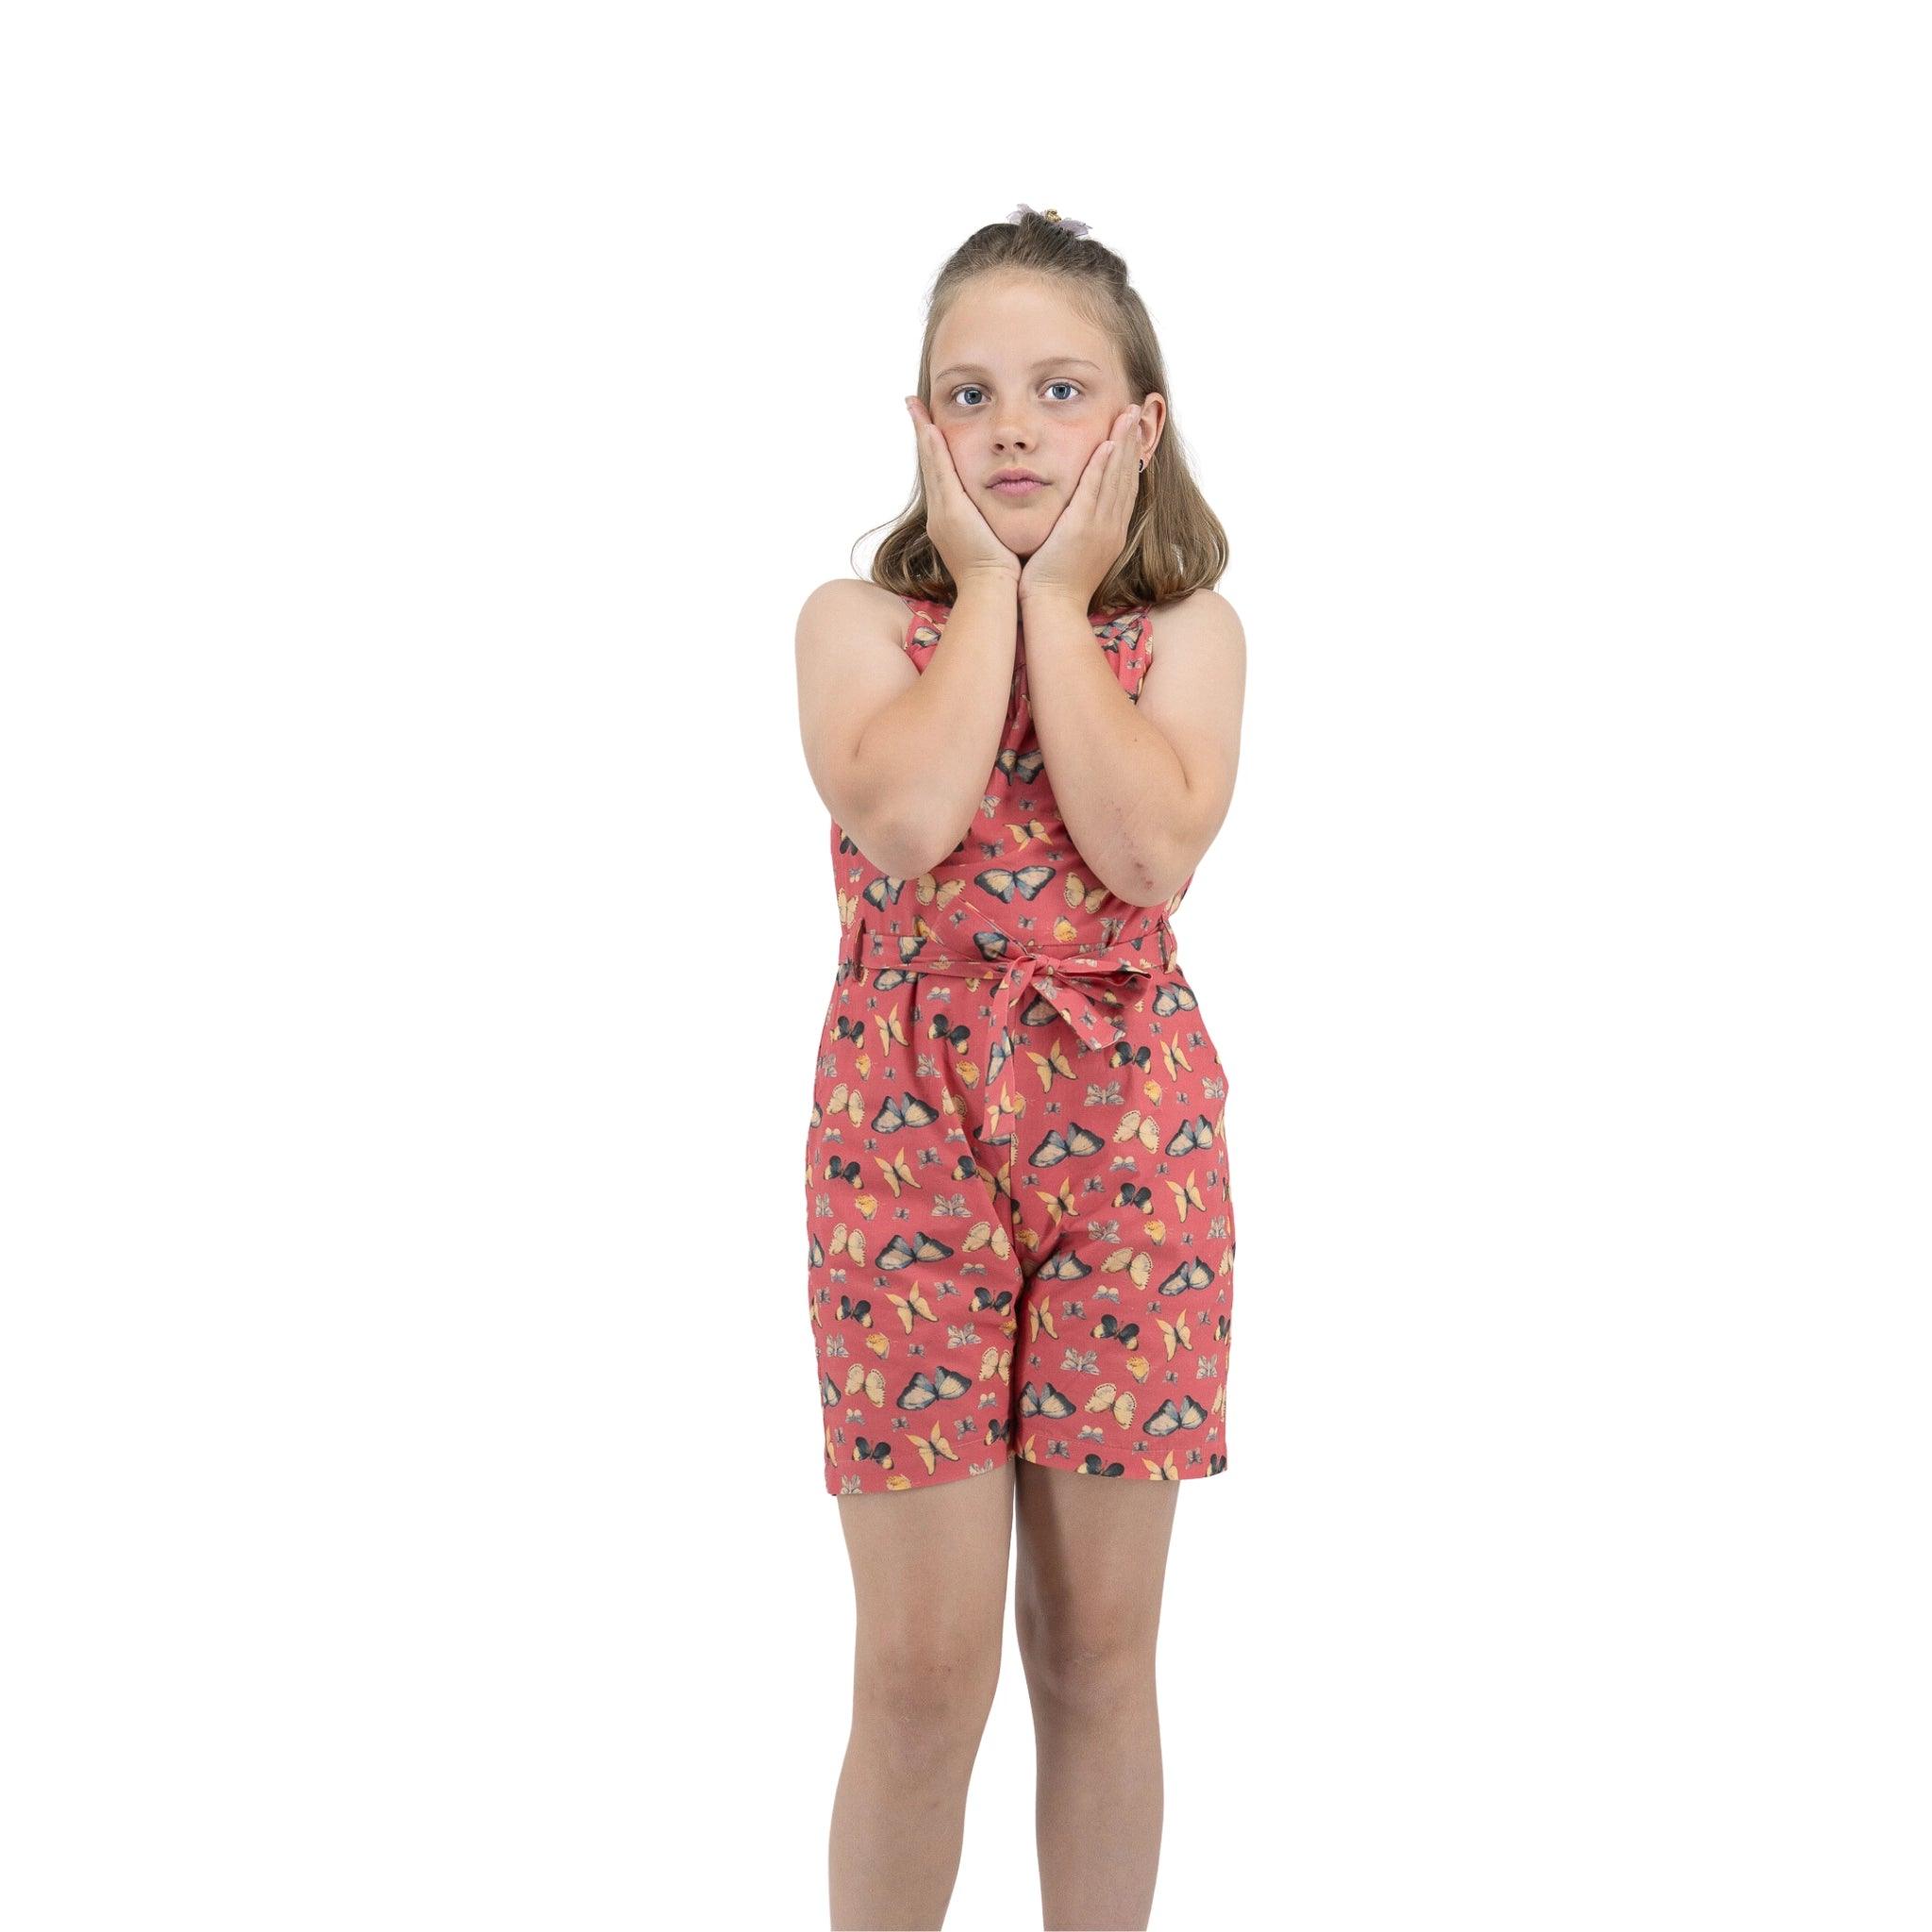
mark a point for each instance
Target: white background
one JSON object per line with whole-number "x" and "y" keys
{"x": 420, "y": 427}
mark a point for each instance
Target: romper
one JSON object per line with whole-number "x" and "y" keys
{"x": 1022, "y": 1238}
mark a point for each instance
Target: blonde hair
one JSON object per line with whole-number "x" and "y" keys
{"x": 1176, "y": 544}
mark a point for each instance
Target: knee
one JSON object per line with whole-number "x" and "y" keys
{"x": 922, "y": 1699}
{"x": 1085, "y": 1660}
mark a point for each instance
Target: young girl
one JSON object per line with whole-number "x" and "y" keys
{"x": 1025, "y": 727}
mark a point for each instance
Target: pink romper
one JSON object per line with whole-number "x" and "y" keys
{"x": 1022, "y": 1238}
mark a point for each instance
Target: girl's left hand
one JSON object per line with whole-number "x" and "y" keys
{"x": 1090, "y": 532}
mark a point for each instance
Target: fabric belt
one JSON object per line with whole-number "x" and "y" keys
{"x": 1053, "y": 969}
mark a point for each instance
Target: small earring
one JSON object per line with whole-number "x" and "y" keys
{"x": 1143, "y": 462}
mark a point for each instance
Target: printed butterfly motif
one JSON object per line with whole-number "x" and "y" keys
{"x": 943, "y": 1385}
{"x": 1030, "y": 881}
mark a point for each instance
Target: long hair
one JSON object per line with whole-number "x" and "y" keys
{"x": 1176, "y": 544}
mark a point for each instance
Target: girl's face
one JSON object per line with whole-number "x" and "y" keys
{"x": 1020, "y": 381}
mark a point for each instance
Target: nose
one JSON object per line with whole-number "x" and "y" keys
{"x": 1013, "y": 433}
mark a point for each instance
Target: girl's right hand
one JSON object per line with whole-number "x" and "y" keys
{"x": 959, "y": 533}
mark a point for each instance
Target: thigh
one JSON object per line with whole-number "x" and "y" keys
{"x": 929, "y": 1568}
{"x": 1092, "y": 1558}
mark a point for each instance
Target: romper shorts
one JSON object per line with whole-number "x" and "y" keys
{"x": 1022, "y": 1238}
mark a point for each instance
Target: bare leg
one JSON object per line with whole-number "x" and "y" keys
{"x": 1093, "y": 1562}
{"x": 930, "y": 1573}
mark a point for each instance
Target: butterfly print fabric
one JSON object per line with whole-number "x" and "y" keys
{"x": 1021, "y": 1233}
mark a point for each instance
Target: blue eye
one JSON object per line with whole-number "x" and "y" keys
{"x": 1059, "y": 382}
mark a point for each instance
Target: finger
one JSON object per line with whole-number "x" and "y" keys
{"x": 922, "y": 433}
{"x": 945, "y": 471}
{"x": 1106, "y": 470}
{"x": 1129, "y": 463}
{"x": 1116, "y": 451}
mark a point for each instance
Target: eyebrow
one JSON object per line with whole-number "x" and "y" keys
{"x": 1046, "y": 363}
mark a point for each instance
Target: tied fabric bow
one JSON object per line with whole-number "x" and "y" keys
{"x": 1054, "y": 975}
{"x": 1088, "y": 1016}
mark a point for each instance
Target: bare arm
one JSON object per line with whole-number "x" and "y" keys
{"x": 1143, "y": 788}
{"x": 935, "y": 742}
{"x": 1192, "y": 695}
{"x": 900, "y": 756}
{"x": 1116, "y": 779}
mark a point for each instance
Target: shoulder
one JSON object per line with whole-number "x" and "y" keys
{"x": 1202, "y": 617}
{"x": 1196, "y": 607}
{"x": 848, "y": 601}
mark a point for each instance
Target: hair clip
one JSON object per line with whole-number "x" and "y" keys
{"x": 1070, "y": 226}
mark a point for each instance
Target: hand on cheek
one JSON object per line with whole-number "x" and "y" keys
{"x": 1090, "y": 532}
